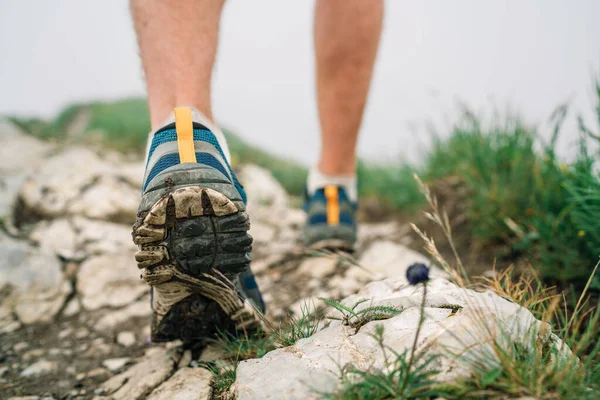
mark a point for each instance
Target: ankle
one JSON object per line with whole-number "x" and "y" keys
{"x": 338, "y": 168}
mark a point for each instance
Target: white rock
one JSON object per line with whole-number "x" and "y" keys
{"x": 318, "y": 267}
{"x": 295, "y": 218}
{"x": 313, "y": 364}
{"x": 388, "y": 259}
{"x": 20, "y": 346}
{"x": 126, "y": 338}
{"x": 82, "y": 333}
{"x": 39, "y": 286}
{"x": 139, "y": 380}
{"x": 185, "y": 384}
{"x": 112, "y": 320}
{"x": 72, "y": 308}
{"x": 19, "y": 152}
{"x": 65, "y": 333}
{"x": 94, "y": 188}
{"x": 56, "y": 236}
{"x": 133, "y": 173}
{"x": 10, "y": 185}
{"x": 110, "y": 198}
{"x": 99, "y": 237}
{"x": 343, "y": 286}
{"x": 261, "y": 233}
{"x": 24, "y": 398}
{"x": 111, "y": 280}
{"x": 261, "y": 187}
{"x": 34, "y": 353}
{"x": 8, "y": 321}
{"x": 306, "y": 306}
{"x": 115, "y": 364}
{"x": 42, "y": 367}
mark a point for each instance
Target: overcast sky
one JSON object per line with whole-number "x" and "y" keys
{"x": 527, "y": 56}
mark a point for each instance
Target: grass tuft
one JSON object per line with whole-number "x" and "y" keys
{"x": 296, "y": 328}
{"x": 356, "y": 319}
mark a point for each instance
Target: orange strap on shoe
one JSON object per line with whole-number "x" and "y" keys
{"x": 185, "y": 134}
{"x": 333, "y": 205}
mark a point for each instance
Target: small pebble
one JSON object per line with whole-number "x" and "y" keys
{"x": 115, "y": 364}
{"x": 126, "y": 338}
{"x": 41, "y": 367}
{"x": 20, "y": 346}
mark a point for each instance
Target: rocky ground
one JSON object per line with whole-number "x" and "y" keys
{"x": 74, "y": 313}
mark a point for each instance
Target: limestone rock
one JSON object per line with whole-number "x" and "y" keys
{"x": 385, "y": 259}
{"x": 57, "y": 236}
{"x": 312, "y": 364}
{"x": 133, "y": 173}
{"x": 24, "y": 398}
{"x": 72, "y": 308}
{"x": 99, "y": 237}
{"x": 261, "y": 187}
{"x": 115, "y": 364}
{"x": 19, "y": 151}
{"x": 77, "y": 181}
{"x": 139, "y": 380}
{"x": 8, "y": 322}
{"x": 262, "y": 233}
{"x": 112, "y": 320}
{"x": 109, "y": 280}
{"x": 126, "y": 338}
{"x": 318, "y": 267}
{"x": 9, "y": 190}
{"x": 110, "y": 198}
{"x": 185, "y": 384}
{"x": 37, "y": 286}
{"x": 42, "y": 367}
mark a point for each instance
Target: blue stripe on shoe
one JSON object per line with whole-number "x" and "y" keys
{"x": 170, "y": 135}
{"x": 165, "y": 162}
{"x": 345, "y": 219}
{"x": 173, "y": 159}
{"x": 202, "y": 135}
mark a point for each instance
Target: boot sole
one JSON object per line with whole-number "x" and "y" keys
{"x": 193, "y": 243}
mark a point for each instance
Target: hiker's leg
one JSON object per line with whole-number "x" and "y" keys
{"x": 346, "y": 39}
{"x": 191, "y": 200}
{"x": 178, "y": 43}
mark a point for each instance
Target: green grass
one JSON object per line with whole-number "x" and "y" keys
{"x": 528, "y": 200}
{"x": 297, "y": 327}
{"x": 223, "y": 379}
{"x": 354, "y": 318}
{"x": 243, "y": 345}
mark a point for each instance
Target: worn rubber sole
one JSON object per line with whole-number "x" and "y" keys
{"x": 333, "y": 244}
{"x": 193, "y": 243}
{"x": 330, "y": 237}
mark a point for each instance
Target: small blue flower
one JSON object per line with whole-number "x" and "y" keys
{"x": 417, "y": 273}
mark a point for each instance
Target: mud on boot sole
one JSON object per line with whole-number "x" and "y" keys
{"x": 193, "y": 242}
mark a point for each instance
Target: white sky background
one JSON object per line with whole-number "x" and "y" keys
{"x": 527, "y": 56}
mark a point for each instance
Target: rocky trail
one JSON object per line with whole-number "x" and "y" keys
{"x": 74, "y": 313}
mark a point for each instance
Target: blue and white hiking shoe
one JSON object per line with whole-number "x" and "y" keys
{"x": 331, "y": 219}
{"x": 192, "y": 233}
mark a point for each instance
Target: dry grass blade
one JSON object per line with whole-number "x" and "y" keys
{"x": 440, "y": 218}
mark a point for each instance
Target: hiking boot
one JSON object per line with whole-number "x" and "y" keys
{"x": 331, "y": 219}
{"x": 192, "y": 234}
